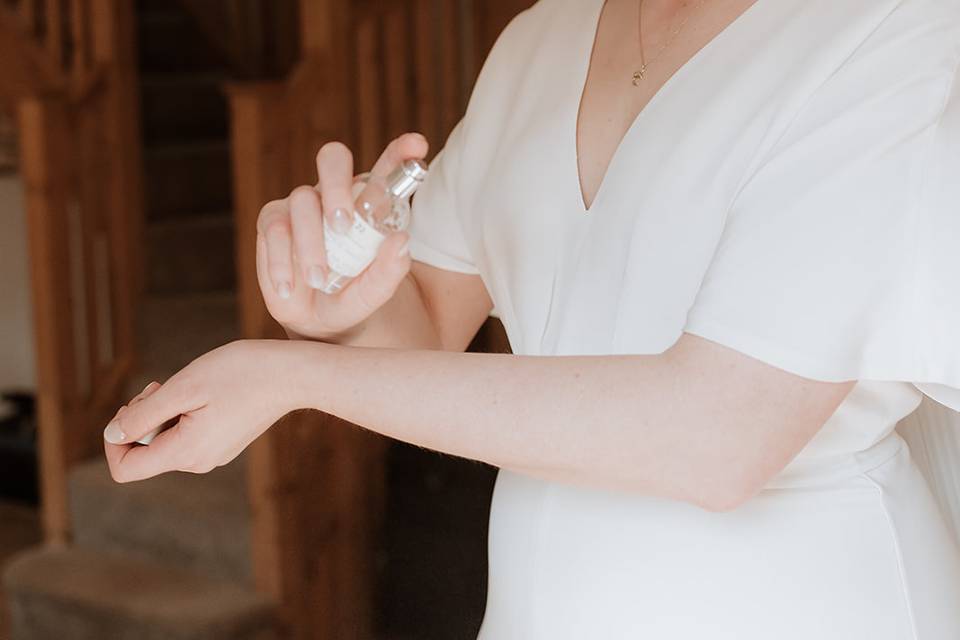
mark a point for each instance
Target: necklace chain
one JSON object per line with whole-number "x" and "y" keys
{"x": 640, "y": 73}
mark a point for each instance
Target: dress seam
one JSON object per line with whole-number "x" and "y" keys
{"x": 905, "y": 591}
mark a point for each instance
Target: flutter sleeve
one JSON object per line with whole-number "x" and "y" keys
{"x": 436, "y": 233}
{"x": 840, "y": 256}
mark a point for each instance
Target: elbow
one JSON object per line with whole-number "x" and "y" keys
{"x": 726, "y": 494}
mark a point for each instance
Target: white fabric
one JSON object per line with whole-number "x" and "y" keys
{"x": 792, "y": 192}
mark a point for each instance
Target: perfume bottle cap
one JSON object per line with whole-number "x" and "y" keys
{"x": 408, "y": 176}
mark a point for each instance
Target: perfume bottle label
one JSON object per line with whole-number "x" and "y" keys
{"x": 349, "y": 253}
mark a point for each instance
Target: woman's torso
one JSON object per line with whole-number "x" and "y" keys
{"x": 846, "y": 540}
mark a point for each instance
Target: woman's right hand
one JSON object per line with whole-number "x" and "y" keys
{"x": 291, "y": 258}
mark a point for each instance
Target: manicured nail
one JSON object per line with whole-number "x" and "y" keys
{"x": 316, "y": 277}
{"x": 339, "y": 220}
{"x": 404, "y": 250}
{"x": 113, "y": 433}
{"x": 283, "y": 290}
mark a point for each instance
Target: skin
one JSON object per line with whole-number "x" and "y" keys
{"x": 700, "y": 423}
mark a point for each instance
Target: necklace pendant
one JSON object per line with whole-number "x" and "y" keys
{"x": 638, "y": 76}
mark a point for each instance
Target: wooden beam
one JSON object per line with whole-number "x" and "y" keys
{"x": 53, "y": 35}
{"x": 260, "y": 163}
{"x": 28, "y": 16}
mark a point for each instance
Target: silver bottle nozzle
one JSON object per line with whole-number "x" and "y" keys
{"x": 405, "y": 180}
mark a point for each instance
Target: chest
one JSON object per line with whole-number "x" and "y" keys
{"x": 620, "y": 276}
{"x": 636, "y": 48}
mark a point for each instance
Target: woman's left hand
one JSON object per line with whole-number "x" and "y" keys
{"x": 224, "y": 400}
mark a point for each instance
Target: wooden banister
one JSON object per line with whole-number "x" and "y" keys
{"x": 53, "y": 32}
{"x": 80, "y": 163}
{"x": 52, "y": 42}
{"x": 28, "y": 16}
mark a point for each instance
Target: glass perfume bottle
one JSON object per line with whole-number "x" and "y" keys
{"x": 381, "y": 207}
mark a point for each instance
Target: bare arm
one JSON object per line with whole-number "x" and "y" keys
{"x": 431, "y": 309}
{"x": 700, "y": 423}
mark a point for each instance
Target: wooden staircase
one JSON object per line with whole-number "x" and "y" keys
{"x": 283, "y": 542}
{"x": 170, "y": 557}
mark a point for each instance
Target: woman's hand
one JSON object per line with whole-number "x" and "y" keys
{"x": 224, "y": 400}
{"x": 291, "y": 259}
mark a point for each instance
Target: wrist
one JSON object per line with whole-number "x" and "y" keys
{"x": 302, "y": 374}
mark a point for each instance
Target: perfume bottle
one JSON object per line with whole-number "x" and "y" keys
{"x": 381, "y": 206}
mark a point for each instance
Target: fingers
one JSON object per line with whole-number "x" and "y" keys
{"x": 409, "y": 145}
{"x": 273, "y": 226}
{"x": 140, "y": 418}
{"x": 147, "y": 391}
{"x": 129, "y": 463}
{"x": 377, "y": 284}
{"x": 306, "y": 221}
{"x": 335, "y": 180}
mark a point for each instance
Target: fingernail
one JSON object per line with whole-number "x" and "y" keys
{"x": 339, "y": 220}
{"x": 404, "y": 250}
{"x": 113, "y": 433}
{"x": 316, "y": 277}
{"x": 283, "y": 290}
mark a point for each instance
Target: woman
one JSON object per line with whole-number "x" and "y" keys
{"x": 723, "y": 245}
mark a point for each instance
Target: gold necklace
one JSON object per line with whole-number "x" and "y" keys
{"x": 639, "y": 74}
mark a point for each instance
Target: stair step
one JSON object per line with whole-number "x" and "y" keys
{"x": 196, "y": 522}
{"x": 88, "y": 595}
{"x": 191, "y": 255}
{"x": 176, "y": 329}
{"x": 183, "y": 106}
{"x": 187, "y": 179}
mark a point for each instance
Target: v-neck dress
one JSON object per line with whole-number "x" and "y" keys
{"x": 793, "y": 193}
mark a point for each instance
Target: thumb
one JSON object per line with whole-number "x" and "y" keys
{"x": 140, "y": 418}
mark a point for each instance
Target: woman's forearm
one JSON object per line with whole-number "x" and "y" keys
{"x": 644, "y": 423}
{"x": 401, "y": 323}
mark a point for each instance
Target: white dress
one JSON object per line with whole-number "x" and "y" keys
{"x": 792, "y": 192}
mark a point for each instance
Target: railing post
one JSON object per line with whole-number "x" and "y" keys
{"x": 43, "y": 131}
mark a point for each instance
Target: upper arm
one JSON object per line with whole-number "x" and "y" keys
{"x": 761, "y": 416}
{"x": 456, "y": 303}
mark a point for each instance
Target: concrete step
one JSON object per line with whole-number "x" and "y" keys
{"x": 183, "y": 106}
{"x": 88, "y": 595}
{"x": 187, "y": 179}
{"x": 196, "y": 522}
{"x": 187, "y": 255}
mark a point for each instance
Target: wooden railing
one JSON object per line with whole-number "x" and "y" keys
{"x": 369, "y": 71}
{"x": 69, "y": 66}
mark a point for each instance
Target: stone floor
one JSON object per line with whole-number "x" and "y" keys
{"x": 19, "y": 529}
